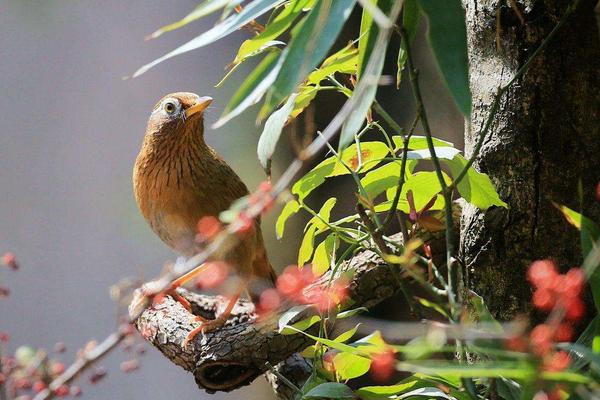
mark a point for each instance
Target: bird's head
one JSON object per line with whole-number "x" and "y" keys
{"x": 178, "y": 113}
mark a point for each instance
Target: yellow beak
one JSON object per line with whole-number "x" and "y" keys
{"x": 201, "y": 105}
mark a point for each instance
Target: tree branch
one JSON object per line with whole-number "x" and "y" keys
{"x": 243, "y": 349}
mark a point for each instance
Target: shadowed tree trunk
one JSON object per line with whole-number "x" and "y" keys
{"x": 544, "y": 141}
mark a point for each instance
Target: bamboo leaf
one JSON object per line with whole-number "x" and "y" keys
{"x": 253, "y": 88}
{"x": 234, "y": 22}
{"x": 410, "y": 23}
{"x": 203, "y": 9}
{"x": 448, "y": 39}
{"x": 311, "y": 40}
{"x": 272, "y": 131}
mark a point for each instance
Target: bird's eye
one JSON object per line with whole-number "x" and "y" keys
{"x": 170, "y": 107}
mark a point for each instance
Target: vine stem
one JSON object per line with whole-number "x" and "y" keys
{"x": 454, "y": 296}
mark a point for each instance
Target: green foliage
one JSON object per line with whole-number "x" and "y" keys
{"x": 448, "y": 39}
{"x": 311, "y": 41}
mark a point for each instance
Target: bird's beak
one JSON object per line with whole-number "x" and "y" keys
{"x": 201, "y": 105}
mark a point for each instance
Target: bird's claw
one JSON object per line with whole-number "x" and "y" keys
{"x": 204, "y": 327}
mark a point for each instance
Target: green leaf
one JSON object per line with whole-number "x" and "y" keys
{"x": 434, "y": 306}
{"x": 368, "y": 34}
{"x": 308, "y": 245}
{"x": 410, "y": 23}
{"x": 290, "y": 315}
{"x": 417, "y": 142}
{"x": 268, "y": 46}
{"x": 301, "y": 325}
{"x": 253, "y": 88}
{"x": 447, "y": 153}
{"x": 201, "y": 10}
{"x": 324, "y": 214}
{"x": 272, "y": 30}
{"x": 330, "y": 390}
{"x": 306, "y": 94}
{"x": 590, "y": 237}
{"x": 272, "y": 131}
{"x": 476, "y": 187}
{"x": 590, "y": 232}
{"x": 380, "y": 179}
{"x": 343, "y": 61}
{"x": 323, "y": 254}
{"x": 448, "y": 39}
{"x": 291, "y": 208}
{"x": 352, "y": 312}
{"x": 344, "y": 337}
{"x": 384, "y": 392}
{"x": 370, "y": 154}
{"x": 424, "y": 186}
{"x": 231, "y": 24}
{"x": 350, "y": 366}
{"x": 311, "y": 41}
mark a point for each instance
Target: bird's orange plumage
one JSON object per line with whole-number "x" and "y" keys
{"x": 178, "y": 179}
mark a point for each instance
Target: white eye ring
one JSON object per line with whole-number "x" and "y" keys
{"x": 171, "y": 106}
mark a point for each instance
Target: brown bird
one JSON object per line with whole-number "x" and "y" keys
{"x": 178, "y": 179}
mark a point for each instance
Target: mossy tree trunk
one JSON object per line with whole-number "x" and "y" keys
{"x": 544, "y": 141}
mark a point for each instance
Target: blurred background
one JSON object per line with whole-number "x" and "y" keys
{"x": 70, "y": 130}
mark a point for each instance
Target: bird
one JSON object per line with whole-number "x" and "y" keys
{"x": 178, "y": 179}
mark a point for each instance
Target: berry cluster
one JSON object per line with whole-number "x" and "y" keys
{"x": 560, "y": 296}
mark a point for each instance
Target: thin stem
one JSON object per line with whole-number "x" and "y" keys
{"x": 285, "y": 380}
{"x": 450, "y": 236}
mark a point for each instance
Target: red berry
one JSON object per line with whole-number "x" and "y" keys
{"x": 4, "y": 337}
{"x": 564, "y": 332}
{"x": 542, "y": 273}
{"x": 516, "y": 343}
{"x": 269, "y": 301}
{"x": 208, "y": 227}
{"x": 265, "y": 186}
{"x": 598, "y": 191}
{"x": 558, "y": 362}
{"x": 38, "y": 386}
{"x": 62, "y": 391}
{"x": 75, "y": 391}
{"x": 10, "y": 260}
{"x": 573, "y": 281}
{"x": 57, "y": 368}
{"x": 215, "y": 274}
{"x": 544, "y": 299}
{"x": 383, "y": 365}
{"x": 574, "y": 309}
{"x": 541, "y": 339}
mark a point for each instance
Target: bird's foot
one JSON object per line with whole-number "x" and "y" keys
{"x": 206, "y": 325}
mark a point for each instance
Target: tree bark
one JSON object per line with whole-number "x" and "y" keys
{"x": 544, "y": 141}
